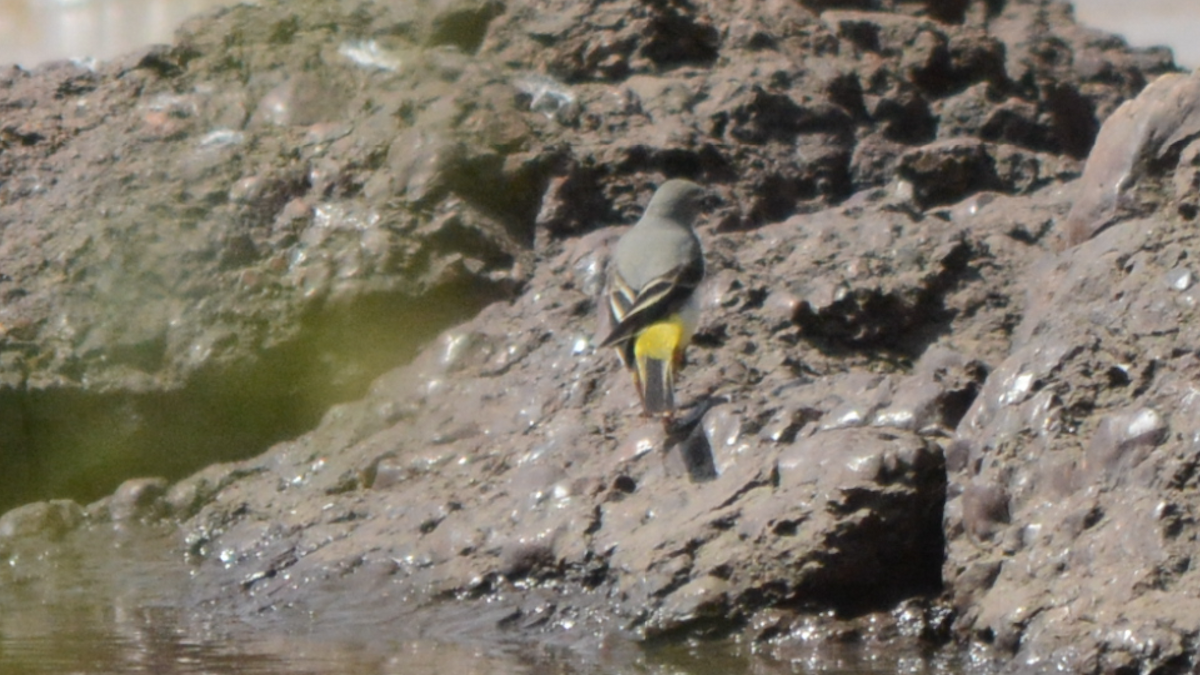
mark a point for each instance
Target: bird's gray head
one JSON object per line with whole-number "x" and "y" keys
{"x": 677, "y": 199}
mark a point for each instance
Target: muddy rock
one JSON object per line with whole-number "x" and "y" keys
{"x": 296, "y": 189}
{"x": 209, "y": 223}
{"x": 1145, "y": 138}
{"x": 666, "y": 532}
{"x": 52, "y": 519}
{"x": 1072, "y": 496}
{"x": 374, "y": 239}
{"x": 137, "y": 499}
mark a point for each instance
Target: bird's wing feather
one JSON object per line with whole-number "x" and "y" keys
{"x": 656, "y": 300}
{"x": 620, "y": 299}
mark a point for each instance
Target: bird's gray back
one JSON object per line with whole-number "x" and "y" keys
{"x": 652, "y": 248}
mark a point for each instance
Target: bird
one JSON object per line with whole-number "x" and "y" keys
{"x": 653, "y": 309}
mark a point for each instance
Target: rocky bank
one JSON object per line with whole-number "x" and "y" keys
{"x": 942, "y": 399}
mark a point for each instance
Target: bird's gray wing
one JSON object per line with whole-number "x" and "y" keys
{"x": 663, "y": 295}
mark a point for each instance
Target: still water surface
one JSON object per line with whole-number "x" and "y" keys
{"x": 118, "y": 603}
{"x": 117, "y": 600}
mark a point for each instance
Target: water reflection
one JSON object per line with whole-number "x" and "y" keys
{"x": 116, "y": 600}
{"x": 33, "y": 31}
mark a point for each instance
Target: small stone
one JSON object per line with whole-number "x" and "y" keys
{"x": 139, "y": 499}
{"x": 51, "y": 519}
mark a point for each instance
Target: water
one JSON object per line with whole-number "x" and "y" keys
{"x": 119, "y": 599}
{"x": 116, "y": 601}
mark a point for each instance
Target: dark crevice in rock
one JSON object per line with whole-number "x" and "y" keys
{"x": 594, "y": 573}
{"x": 706, "y": 163}
{"x": 512, "y": 198}
{"x": 1074, "y": 120}
{"x": 766, "y": 116}
{"x": 906, "y": 118}
{"x": 575, "y": 200}
{"x": 780, "y": 194}
{"x": 676, "y": 38}
{"x": 624, "y": 484}
{"x": 914, "y": 567}
{"x": 947, "y": 11}
{"x": 943, "y": 174}
{"x": 903, "y": 322}
{"x": 956, "y": 402}
{"x": 846, "y": 91}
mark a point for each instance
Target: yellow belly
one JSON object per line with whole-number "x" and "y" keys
{"x": 663, "y": 341}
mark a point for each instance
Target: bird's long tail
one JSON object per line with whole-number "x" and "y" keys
{"x": 658, "y": 352}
